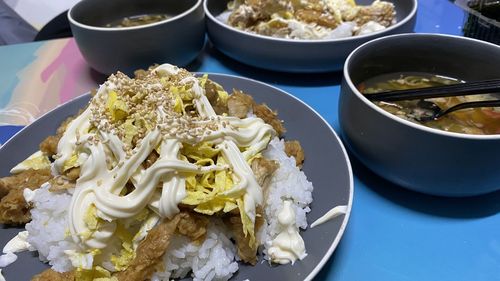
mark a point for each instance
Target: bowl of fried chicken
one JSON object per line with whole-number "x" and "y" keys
{"x": 302, "y": 36}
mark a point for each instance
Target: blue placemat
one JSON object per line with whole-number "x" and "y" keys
{"x": 6, "y": 132}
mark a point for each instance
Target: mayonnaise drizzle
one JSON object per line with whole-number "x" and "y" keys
{"x": 288, "y": 246}
{"x": 18, "y": 244}
{"x": 333, "y": 213}
{"x": 100, "y": 185}
{"x": 68, "y": 142}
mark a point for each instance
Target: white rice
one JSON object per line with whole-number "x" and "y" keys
{"x": 214, "y": 259}
{"x": 288, "y": 182}
{"x": 48, "y": 229}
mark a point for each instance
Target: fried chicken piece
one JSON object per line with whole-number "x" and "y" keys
{"x": 211, "y": 92}
{"x": 72, "y": 174}
{"x": 263, "y": 169}
{"x": 8, "y": 183}
{"x": 379, "y": 11}
{"x": 255, "y": 15}
{"x": 143, "y": 73}
{"x": 270, "y": 117}
{"x": 51, "y": 275}
{"x": 266, "y": 8}
{"x": 60, "y": 183}
{"x": 239, "y": 104}
{"x": 151, "y": 159}
{"x": 193, "y": 226}
{"x": 276, "y": 29}
{"x": 246, "y": 252}
{"x": 293, "y": 148}
{"x": 243, "y": 16}
{"x": 249, "y": 12}
{"x": 13, "y": 207}
{"x": 30, "y": 179}
{"x": 65, "y": 181}
{"x": 317, "y": 17}
{"x": 49, "y": 145}
{"x": 140, "y": 73}
{"x": 219, "y": 106}
{"x": 151, "y": 250}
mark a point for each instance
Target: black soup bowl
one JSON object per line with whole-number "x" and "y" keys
{"x": 411, "y": 155}
{"x": 178, "y": 39}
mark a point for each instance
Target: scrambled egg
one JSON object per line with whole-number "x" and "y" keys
{"x": 91, "y": 220}
{"x": 127, "y": 253}
{"x": 72, "y": 162}
{"x": 206, "y": 192}
{"x": 36, "y": 161}
{"x": 97, "y": 273}
{"x": 117, "y": 108}
{"x": 82, "y": 261}
{"x": 129, "y": 243}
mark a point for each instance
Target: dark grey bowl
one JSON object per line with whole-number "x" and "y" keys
{"x": 411, "y": 155}
{"x": 295, "y": 55}
{"x": 177, "y": 40}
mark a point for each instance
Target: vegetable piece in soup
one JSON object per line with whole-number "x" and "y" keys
{"x": 478, "y": 121}
{"x": 137, "y": 20}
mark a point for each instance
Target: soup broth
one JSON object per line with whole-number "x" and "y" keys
{"x": 479, "y": 121}
{"x": 137, "y": 20}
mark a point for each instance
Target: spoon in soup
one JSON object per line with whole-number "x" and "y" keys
{"x": 431, "y": 111}
{"x": 428, "y": 110}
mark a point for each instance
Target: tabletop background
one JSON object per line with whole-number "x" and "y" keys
{"x": 393, "y": 234}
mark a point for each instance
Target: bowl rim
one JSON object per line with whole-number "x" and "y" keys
{"x": 405, "y": 20}
{"x": 420, "y": 127}
{"x": 97, "y": 28}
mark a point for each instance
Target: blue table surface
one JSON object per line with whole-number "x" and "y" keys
{"x": 393, "y": 234}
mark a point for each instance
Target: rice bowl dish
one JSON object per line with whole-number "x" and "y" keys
{"x": 69, "y": 225}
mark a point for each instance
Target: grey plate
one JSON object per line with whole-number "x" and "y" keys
{"x": 296, "y": 55}
{"x": 327, "y": 166}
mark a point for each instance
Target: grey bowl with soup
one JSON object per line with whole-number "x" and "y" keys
{"x": 175, "y": 35}
{"x": 412, "y": 155}
{"x": 292, "y": 55}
